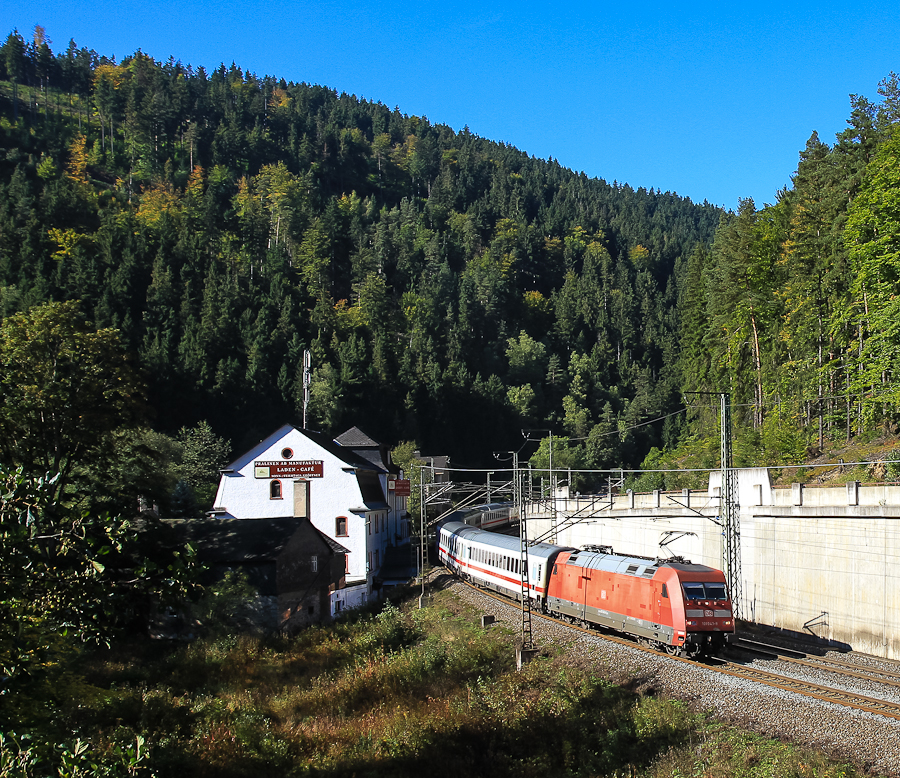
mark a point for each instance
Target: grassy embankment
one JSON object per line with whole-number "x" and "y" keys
{"x": 406, "y": 692}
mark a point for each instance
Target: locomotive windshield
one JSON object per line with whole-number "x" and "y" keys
{"x": 707, "y": 591}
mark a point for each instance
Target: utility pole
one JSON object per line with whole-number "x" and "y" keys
{"x": 552, "y": 491}
{"x": 423, "y": 544}
{"x": 619, "y": 483}
{"x": 519, "y": 497}
{"x": 729, "y": 510}
{"x": 731, "y": 520}
{"x": 519, "y": 500}
{"x": 553, "y": 517}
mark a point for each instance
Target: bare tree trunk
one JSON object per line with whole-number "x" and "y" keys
{"x": 849, "y": 417}
{"x": 758, "y": 411}
{"x": 821, "y": 427}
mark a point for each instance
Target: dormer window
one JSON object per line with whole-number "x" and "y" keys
{"x": 275, "y": 490}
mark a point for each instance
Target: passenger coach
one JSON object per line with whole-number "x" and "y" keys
{"x": 493, "y": 561}
{"x": 490, "y": 516}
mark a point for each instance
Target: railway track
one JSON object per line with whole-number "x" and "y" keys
{"x": 807, "y": 689}
{"x": 836, "y": 666}
{"x": 773, "y": 680}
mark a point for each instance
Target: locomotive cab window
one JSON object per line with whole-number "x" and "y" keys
{"x": 716, "y": 591}
{"x": 665, "y": 592}
{"x": 694, "y": 591}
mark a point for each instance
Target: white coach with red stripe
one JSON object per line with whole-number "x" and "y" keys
{"x": 494, "y": 561}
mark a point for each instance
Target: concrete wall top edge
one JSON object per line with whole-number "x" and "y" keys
{"x": 826, "y": 511}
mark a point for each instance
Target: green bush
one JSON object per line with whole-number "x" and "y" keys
{"x": 395, "y": 693}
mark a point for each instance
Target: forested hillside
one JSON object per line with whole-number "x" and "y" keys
{"x": 452, "y": 290}
{"x": 794, "y": 310}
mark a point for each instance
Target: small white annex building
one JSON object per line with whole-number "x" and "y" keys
{"x": 344, "y": 487}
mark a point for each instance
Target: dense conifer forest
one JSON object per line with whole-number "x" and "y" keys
{"x": 452, "y": 290}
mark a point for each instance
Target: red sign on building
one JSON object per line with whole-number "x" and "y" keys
{"x": 401, "y": 488}
{"x": 300, "y": 468}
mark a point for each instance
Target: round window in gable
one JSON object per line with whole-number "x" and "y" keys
{"x": 287, "y": 453}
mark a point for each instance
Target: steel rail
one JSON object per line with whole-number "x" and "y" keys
{"x": 809, "y": 689}
{"x": 836, "y": 666}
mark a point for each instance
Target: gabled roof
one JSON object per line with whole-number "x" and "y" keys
{"x": 336, "y": 547}
{"x": 356, "y": 438}
{"x": 349, "y": 456}
{"x": 242, "y": 540}
{"x": 373, "y": 457}
{"x": 346, "y": 455}
{"x": 363, "y": 446}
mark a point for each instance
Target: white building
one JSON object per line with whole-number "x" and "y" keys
{"x": 347, "y": 492}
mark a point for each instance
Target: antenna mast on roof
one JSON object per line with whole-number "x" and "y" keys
{"x": 307, "y": 380}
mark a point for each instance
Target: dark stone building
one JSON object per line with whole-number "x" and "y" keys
{"x": 293, "y": 566}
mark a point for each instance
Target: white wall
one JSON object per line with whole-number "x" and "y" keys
{"x": 243, "y": 496}
{"x": 350, "y": 597}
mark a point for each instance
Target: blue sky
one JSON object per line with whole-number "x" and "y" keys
{"x": 712, "y": 101}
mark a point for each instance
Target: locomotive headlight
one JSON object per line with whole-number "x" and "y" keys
{"x": 690, "y": 623}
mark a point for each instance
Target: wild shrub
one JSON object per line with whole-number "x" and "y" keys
{"x": 24, "y": 757}
{"x": 398, "y": 693}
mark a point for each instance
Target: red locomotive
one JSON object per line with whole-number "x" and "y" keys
{"x": 669, "y": 604}
{"x": 673, "y": 605}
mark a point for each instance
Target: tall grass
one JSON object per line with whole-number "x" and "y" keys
{"x": 404, "y": 692}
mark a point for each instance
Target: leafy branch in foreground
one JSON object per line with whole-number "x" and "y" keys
{"x": 67, "y": 572}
